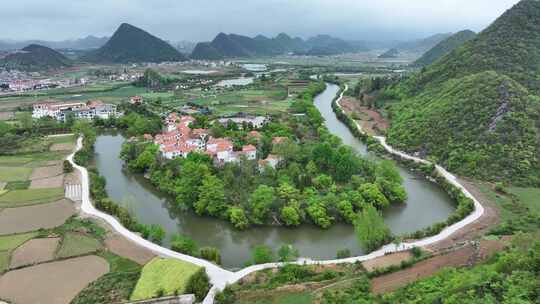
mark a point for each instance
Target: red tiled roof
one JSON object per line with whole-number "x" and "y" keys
{"x": 249, "y": 148}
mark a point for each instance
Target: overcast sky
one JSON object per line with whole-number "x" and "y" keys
{"x": 198, "y": 20}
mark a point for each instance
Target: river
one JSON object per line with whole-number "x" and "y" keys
{"x": 426, "y": 204}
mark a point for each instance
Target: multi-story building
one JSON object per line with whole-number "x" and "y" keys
{"x": 78, "y": 110}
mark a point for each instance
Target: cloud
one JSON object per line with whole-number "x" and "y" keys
{"x": 202, "y": 19}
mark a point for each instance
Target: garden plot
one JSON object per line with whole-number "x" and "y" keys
{"x": 45, "y": 172}
{"x": 49, "y": 182}
{"x": 119, "y": 245}
{"x": 30, "y": 218}
{"x": 388, "y": 260}
{"x": 52, "y": 283}
{"x": 33, "y": 252}
{"x": 62, "y": 147}
{"x": 26, "y": 197}
{"x": 76, "y": 244}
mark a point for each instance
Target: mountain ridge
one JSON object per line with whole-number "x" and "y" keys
{"x": 131, "y": 44}
{"x": 35, "y": 57}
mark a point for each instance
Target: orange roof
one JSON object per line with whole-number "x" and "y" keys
{"x": 94, "y": 103}
{"x": 249, "y": 148}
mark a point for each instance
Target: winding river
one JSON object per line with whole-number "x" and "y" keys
{"x": 426, "y": 204}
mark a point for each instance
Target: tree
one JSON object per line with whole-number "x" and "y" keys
{"x": 238, "y": 218}
{"x": 388, "y": 171}
{"x": 259, "y": 203}
{"x": 287, "y": 149}
{"x": 287, "y": 253}
{"x": 157, "y": 233}
{"x": 371, "y": 231}
{"x": 346, "y": 210}
{"x": 323, "y": 182}
{"x": 192, "y": 175}
{"x": 198, "y": 284}
{"x": 290, "y": 216}
{"x": 393, "y": 191}
{"x": 5, "y": 128}
{"x": 319, "y": 216}
{"x": 211, "y": 197}
{"x": 262, "y": 254}
{"x": 373, "y": 195}
{"x": 145, "y": 160}
{"x": 184, "y": 245}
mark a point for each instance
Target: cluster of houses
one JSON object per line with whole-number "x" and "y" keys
{"x": 178, "y": 140}
{"x": 79, "y": 110}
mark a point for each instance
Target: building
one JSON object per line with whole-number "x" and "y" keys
{"x": 256, "y": 121}
{"x": 135, "y": 100}
{"x": 270, "y": 161}
{"x": 178, "y": 140}
{"x": 79, "y": 110}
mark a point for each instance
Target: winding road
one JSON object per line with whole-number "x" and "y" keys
{"x": 220, "y": 277}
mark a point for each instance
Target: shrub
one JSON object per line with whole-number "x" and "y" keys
{"x": 67, "y": 167}
{"x": 198, "y": 284}
{"x": 343, "y": 253}
{"x": 211, "y": 254}
{"x": 184, "y": 245}
{"x": 262, "y": 254}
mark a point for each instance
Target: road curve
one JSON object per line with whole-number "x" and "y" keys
{"x": 220, "y": 277}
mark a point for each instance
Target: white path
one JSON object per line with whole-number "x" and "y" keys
{"x": 221, "y": 277}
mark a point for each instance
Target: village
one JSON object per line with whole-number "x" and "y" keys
{"x": 179, "y": 139}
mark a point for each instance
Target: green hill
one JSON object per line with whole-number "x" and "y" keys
{"x": 476, "y": 110}
{"x": 232, "y": 45}
{"x": 35, "y": 58}
{"x": 422, "y": 45}
{"x": 391, "y": 53}
{"x": 131, "y": 44}
{"x": 444, "y": 47}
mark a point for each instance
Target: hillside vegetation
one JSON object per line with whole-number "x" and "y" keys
{"x": 476, "y": 111}
{"x": 233, "y": 45}
{"x": 444, "y": 47}
{"x": 131, "y": 44}
{"x": 35, "y": 58}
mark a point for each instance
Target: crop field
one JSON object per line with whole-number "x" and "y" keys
{"x": 281, "y": 298}
{"x": 75, "y": 244}
{"x": 528, "y": 196}
{"x": 165, "y": 276}
{"x": 8, "y": 244}
{"x": 30, "y": 197}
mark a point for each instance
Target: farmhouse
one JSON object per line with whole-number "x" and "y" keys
{"x": 79, "y": 110}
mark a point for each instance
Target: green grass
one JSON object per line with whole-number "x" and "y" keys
{"x": 30, "y": 160}
{"x": 30, "y": 197}
{"x": 75, "y": 244}
{"x": 4, "y": 260}
{"x": 528, "y": 196}
{"x": 8, "y": 243}
{"x": 166, "y": 275}
{"x": 11, "y": 174}
{"x": 67, "y": 139}
{"x": 18, "y": 185}
{"x": 282, "y": 298}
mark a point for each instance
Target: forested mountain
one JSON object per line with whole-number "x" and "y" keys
{"x": 422, "y": 45}
{"x": 233, "y": 45}
{"x": 391, "y": 53}
{"x": 35, "y": 58}
{"x": 89, "y": 42}
{"x": 444, "y": 47}
{"x": 477, "y": 110}
{"x": 131, "y": 44}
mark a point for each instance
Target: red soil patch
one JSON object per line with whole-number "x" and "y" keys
{"x": 52, "y": 283}
{"x": 33, "y": 252}
{"x": 124, "y": 247}
{"x": 371, "y": 121}
{"x": 423, "y": 269}
{"x": 387, "y": 260}
{"x": 31, "y": 218}
{"x": 45, "y": 172}
{"x": 49, "y": 182}
{"x": 62, "y": 147}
